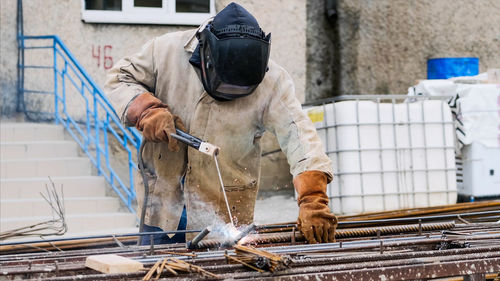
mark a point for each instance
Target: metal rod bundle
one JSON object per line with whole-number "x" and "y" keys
{"x": 260, "y": 259}
{"x": 173, "y": 265}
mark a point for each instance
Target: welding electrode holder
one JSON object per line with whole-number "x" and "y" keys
{"x": 196, "y": 143}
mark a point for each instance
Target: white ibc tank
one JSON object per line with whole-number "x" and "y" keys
{"x": 388, "y": 156}
{"x": 481, "y": 168}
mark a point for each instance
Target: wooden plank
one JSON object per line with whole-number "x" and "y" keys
{"x": 113, "y": 264}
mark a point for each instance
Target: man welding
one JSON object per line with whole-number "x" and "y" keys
{"x": 217, "y": 83}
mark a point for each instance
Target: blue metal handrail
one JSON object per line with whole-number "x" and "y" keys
{"x": 97, "y": 121}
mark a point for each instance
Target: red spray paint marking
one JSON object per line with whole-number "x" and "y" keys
{"x": 98, "y": 55}
{"x": 107, "y": 59}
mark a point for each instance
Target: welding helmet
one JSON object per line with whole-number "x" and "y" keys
{"x": 234, "y": 54}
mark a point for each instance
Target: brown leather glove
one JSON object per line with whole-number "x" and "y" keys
{"x": 315, "y": 221}
{"x": 154, "y": 119}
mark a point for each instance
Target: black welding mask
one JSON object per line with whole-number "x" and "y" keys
{"x": 234, "y": 54}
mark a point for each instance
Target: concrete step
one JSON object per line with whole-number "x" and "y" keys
{"x": 37, "y": 149}
{"x": 44, "y": 167}
{"x": 78, "y": 222}
{"x": 25, "y": 188}
{"x": 39, "y": 207}
{"x": 10, "y": 132}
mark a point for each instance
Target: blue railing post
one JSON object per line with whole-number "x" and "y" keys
{"x": 63, "y": 88}
{"x": 97, "y": 141}
{"x": 87, "y": 116}
{"x": 56, "y": 102}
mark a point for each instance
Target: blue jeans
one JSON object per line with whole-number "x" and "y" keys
{"x": 163, "y": 238}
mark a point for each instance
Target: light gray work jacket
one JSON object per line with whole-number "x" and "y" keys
{"x": 162, "y": 67}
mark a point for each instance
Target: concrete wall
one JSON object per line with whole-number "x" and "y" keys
{"x": 322, "y": 52}
{"x": 382, "y": 47}
{"x": 8, "y": 58}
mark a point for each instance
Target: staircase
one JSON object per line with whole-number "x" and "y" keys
{"x": 33, "y": 152}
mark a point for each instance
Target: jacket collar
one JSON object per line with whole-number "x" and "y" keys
{"x": 192, "y": 41}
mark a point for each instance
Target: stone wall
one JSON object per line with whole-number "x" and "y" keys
{"x": 8, "y": 58}
{"x": 382, "y": 47}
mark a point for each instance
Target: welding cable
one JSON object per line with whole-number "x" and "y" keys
{"x": 146, "y": 190}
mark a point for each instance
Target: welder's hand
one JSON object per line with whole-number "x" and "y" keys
{"x": 154, "y": 119}
{"x": 315, "y": 221}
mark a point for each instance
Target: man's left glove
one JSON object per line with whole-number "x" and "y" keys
{"x": 154, "y": 119}
{"x": 315, "y": 221}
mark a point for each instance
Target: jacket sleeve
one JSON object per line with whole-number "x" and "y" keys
{"x": 130, "y": 77}
{"x": 295, "y": 132}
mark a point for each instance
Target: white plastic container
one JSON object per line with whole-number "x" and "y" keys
{"x": 481, "y": 171}
{"x": 388, "y": 156}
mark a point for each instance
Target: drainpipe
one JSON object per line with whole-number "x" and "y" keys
{"x": 331, "y": 11}
{"x": 20, "y": 58}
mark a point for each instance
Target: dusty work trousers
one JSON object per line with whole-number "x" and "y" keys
{"x": 163, "y": 238}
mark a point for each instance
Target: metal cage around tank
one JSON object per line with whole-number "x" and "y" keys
{"x": 399, "y": 181}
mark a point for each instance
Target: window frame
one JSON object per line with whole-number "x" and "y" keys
{"x": 142, "y": 15}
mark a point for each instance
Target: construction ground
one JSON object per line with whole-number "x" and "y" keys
{"x": 431, "y": 243}
{"x": 404, "y": 96}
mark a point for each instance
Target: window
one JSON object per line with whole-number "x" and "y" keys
{"x": 180, "y": 12}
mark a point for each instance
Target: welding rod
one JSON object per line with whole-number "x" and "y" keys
{"x": 208, "y": 149}
{"x": 194, "y": 243}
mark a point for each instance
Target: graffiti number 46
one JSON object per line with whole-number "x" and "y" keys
{"x": 106, "y": 58}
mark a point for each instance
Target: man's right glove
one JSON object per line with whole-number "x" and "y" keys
{"x": 154, "y": 119}
{"x": 315, "y": 221}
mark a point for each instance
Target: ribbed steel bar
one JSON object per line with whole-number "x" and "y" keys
{"x": 459, "y": 207}
{"x": 304, "y": 261}
{"x": 397, "y": 249}
{"x": 323, "y": 259}
{"x": 408, "y": 272}
{"x": 111, "y": 236}
{"x": 341, "y": 233}
{"x": 47, "y": 243}
{"x": 347, "y": 245}
{"x": 319, "y": 269}
{"x": 489, "y": 258}
{"x": 39, "y": 257}
{"x": 386, "y": 219}
{"x": 421, "y": 218}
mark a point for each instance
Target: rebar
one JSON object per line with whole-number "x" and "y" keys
{"x": 272, "y": 238}
{"x": 56, "y": 226}
{"x": 194, "y": 243}
{"x": 240, "y": 236}
{"x": 397, "y": 251}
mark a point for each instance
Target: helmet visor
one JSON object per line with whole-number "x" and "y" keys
{"x": 234, "y": 65}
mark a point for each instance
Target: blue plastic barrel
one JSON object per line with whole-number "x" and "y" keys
{"x": 444, "y": 68}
